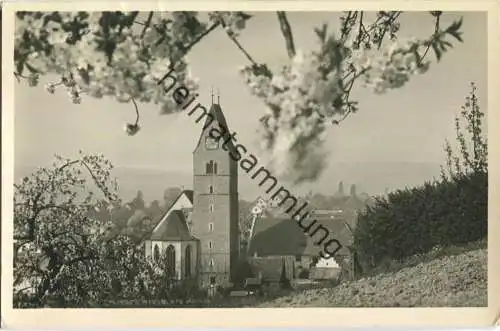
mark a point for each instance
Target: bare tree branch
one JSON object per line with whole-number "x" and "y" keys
{"x": 388, "y": 24}
{"x": 136, "y": 111}
{"x": 247, "y": 55}
{"x": 237, "y": 43}
{"x": 147, "y": 24}
{"x": 286, "y": 30}
{"x": 188, "y": 48}
{"x": 437, "y": 16}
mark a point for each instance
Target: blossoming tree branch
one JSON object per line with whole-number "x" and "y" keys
{"x": 125, "y": 54}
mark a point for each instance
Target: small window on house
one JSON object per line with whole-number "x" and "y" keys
{"x": 210, "y": 244}
{"x": 211, "y": 189}
{"x": 212, "y": 280}
{"x": 298, "y": 258}
{"x": 211, "y": 208}
{"x": 211, "y": 227}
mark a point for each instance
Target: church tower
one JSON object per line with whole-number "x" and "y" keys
{"x": 215, "y": 206}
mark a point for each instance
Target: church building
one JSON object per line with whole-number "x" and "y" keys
{"x": 199, "y": 235}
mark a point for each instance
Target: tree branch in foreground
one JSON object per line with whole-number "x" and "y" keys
{"x": 286, "y": 30}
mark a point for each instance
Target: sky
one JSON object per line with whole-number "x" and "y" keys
{"x": 405, "y": 126}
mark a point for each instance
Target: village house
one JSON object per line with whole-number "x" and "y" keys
{"x": 278, "y": 238}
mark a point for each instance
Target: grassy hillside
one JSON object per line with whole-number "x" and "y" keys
{"x": 448, "y": 281}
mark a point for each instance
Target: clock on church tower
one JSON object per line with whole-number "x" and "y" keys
{"x": 211, "y": 143}
{"x": 215, "y": 203}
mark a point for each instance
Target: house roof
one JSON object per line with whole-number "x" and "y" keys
{"x": 277, "y": 236}
{"x": 341, "y": 228}
{"x": 283, "y": 236}
{"x": 174, "y": 228}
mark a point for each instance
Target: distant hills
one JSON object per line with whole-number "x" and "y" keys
{"x": 372, "y": 178}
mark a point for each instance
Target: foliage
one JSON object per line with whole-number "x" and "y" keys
{"x": 139, "y": 225}
{"x": 413, "y": 221}
{"x": 65, "y": 258}
{"x": 473, "y": 145}
{"x": 138, "y": 202}
{"x": 314, "y": 88}
{"x": 446, "y": 212}
{"x": 126, "y": 55}
{"x": 169, "y": 196}
{"x": 155, "y": 211}
{"x": 132, "y": 219}
{"x": 56, "y": 244}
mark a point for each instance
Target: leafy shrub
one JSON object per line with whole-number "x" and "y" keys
{"x": 449, "y": 211}
{"x": 413, "y": 221}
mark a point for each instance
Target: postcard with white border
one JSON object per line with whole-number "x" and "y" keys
{"x": 315, "y": 163}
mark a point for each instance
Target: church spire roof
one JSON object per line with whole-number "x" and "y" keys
{"x": 212, "y": 96}
{"x": 216, "y": 115}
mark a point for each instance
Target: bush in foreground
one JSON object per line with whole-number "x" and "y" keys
{"x": 449, "y": 211}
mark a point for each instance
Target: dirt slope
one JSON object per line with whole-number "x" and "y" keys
{"x": 457, "y": 281}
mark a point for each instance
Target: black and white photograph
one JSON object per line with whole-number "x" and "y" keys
{"x": 248, "y": 159}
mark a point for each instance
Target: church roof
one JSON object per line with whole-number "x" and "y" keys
{"x": 174, "y": 228}
{"x": 188, "y": 193}
{"x": 218, "y": 116}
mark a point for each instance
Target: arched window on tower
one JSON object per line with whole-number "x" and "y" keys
{"x": 187, "y": 266}
{"x": 170, "y": 260}
{"x": 209, "y": 167}
{"x": 211, "y": 189}
{"x": 215, "y": 168}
